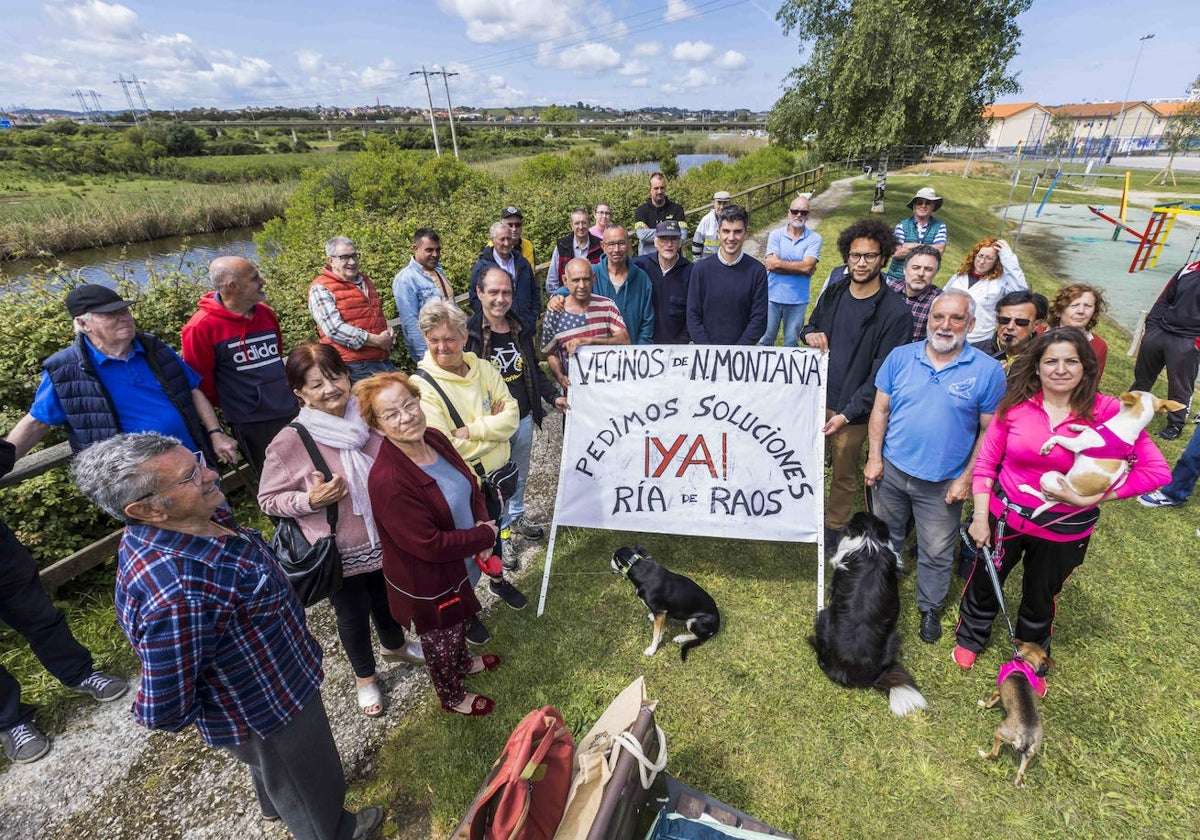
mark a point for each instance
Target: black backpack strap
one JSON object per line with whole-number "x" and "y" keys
{"x": 455, "y": 417}
{"x": 331, "y": 512}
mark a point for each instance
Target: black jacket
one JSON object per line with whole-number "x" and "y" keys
{"x": 527, "y": 297}
{"x": 888, "y": 326}
{"x": 1177, "y": 310}
{"x": 533, "y": 378}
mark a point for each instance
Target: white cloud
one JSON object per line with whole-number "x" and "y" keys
{"x": 692, "y": 51}
{"x": 634, "y": 68}
{"x": 678, "y": 10}
{"x": 309, "y": 61}
{"x": 640, "y": 83}
{"x": 646, "y": 48}
{"x": 102, "y": 20}
{"x": 496, "y": 21}
{"x": 589, "y": 57}
{"x": 692, "y": 79}
{"x": 731, "y": 60}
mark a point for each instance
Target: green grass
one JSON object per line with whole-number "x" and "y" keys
{"x": 751, "y": 720}
{"x": 105, "y": 211}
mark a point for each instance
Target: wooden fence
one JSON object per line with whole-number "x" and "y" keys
{"x": 58, "y": 573}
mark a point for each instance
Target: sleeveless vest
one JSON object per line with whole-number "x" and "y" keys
{"x": 896, "y": 268}
{"x": 357, "y": 310}
{"x": 91, "y": 415}
{"x": 566, "y": 245}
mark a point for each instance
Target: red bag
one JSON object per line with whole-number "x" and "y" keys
{"x": 526, "y": 793}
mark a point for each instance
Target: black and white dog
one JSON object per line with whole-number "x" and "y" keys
{"x": 668, "y": 595}
{"x": 855, "y": 635}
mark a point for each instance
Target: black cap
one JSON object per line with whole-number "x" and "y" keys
{"x": 92, "y": 297}
{"x": 511, "y": 211}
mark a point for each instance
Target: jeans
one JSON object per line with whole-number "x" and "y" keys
{"x": 792, "y": 315}
{"x": 1185, "y": 473}
{"x": 897, "y": 495}
{"x": 520, "y": 446}
{"x": 26, "y": 608}
{"x": 361, "y": 370}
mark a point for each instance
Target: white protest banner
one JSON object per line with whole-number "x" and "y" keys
{"x": 702, "y": 440}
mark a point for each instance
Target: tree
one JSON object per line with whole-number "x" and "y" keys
{"x": 1180, "y": 134}
{"x": 887, "y": 73}
{"x": 1062, "y": 129}
{"x": 557, "y": 113}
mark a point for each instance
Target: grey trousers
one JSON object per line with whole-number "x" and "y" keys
{"x": 899, "y": 494}
{"x": 298, "y": 776}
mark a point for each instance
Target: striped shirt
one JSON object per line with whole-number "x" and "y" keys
{"x": 219, "y": 632}
{"x": 601, "y": 320}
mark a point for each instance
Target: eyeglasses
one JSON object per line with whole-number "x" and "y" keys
{"x": 868, "y": 257}
{"x": 796, "y": 212}
{"x": 1004, "y": 320}
{"x": 194, "y": 477}
{"x": 352, "y": 257}
{"x": 620, "y": 243}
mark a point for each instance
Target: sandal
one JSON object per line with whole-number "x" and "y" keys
{"x": 370, "y": 699}
{"x": 487, "y": 662}
{"x": 480, "y": 707}
{"x": 411, "y": 653}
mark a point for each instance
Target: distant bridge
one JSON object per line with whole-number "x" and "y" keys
{"x": 371, "y": 125}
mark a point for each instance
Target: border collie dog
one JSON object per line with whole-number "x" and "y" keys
{"x": 668, "y": 595}
{"x": 855, "y": 635}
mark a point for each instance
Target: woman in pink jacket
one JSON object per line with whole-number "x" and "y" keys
{"x": 1051, "y": 389}
{"x": 292, "y": 486}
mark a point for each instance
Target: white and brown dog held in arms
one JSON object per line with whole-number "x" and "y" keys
{"x": 1019, "y": 686}
{"x": 855, "y": 635}
{"x": 668, "y": 595}
{"x": 1102, "y": 451}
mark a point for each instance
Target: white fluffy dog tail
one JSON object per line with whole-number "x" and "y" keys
{"x": 905, "y": 700}
{"x": 903, "y": 695}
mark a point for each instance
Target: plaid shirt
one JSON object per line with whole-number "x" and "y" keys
{"x": 323, "y": 306}
{"x": 220, "y": 634}
{"x": 920, "y": 306}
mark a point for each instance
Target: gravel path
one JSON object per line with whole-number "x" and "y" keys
{"x": 108, "y": 778}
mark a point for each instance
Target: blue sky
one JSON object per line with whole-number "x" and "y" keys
{"x": 687, "y": 53}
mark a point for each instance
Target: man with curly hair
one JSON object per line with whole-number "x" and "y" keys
{"x": 857, "y": 320}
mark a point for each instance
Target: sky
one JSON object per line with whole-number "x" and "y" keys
{"x": 696, "y": 54}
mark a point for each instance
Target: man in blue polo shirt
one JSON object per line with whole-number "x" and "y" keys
{"x": 933, "y": 401}
{"x": 114, "y": 379}
{"x": 793, "y": 252}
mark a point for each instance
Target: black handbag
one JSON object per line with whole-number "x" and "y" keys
{"x": 314, "y": 569}
{"x": 501, "y": 481}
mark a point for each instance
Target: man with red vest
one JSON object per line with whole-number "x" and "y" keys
{"x": 578, "y": 243}
{"x": 349, "y": 313}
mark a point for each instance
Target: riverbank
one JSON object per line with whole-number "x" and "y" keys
{"x": 114, "y": 212}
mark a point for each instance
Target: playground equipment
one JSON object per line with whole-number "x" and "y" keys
{"x": 1154, "y": 237}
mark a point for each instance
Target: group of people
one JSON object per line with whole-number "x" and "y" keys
{"x": 952, "y": 390}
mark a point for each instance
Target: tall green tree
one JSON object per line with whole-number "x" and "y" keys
{"x": 880, "y": 74}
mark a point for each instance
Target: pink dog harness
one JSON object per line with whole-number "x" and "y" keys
{"x": 1038, "y": 683}
{"x": 1113, "y": 447}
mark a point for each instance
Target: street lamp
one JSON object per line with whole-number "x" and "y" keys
{"x": 1141, "y": 45}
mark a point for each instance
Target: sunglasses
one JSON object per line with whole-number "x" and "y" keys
{"x": 795, "y": 212}
{"x": 1004, "y": 320}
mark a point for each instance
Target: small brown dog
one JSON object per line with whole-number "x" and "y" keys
{"x": 1019, "y": 686}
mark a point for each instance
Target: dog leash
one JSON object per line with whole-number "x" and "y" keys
{"x": 995, "y": 578}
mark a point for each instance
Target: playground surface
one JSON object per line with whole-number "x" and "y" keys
{"x": 1087, "y": 253}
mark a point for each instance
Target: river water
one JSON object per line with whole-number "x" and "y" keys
{"x": 137, "y": 260}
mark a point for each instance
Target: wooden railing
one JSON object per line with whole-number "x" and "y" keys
{"x": 61, "y": 571}
{"x": 764, "y": 195}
